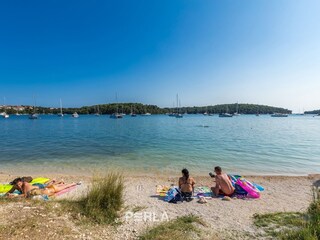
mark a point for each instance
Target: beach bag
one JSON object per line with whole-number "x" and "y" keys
{"x": 173, "y": 195}
{"x": 239, "y": 190}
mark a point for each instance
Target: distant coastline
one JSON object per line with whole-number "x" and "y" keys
{"x": 140, "y": 108}
{"x": 313, "y": 112}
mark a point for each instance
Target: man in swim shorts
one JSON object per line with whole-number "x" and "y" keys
{"x": 223, "y": 183}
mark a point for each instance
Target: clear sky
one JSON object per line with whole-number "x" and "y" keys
{"x": 210, "y": 52}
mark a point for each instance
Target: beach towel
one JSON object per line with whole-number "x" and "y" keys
{"x": 162, "y": 190}
{"x": 7, "y": 187}
{"x": 203, "y": 192}
{"x": 65, "y": 191}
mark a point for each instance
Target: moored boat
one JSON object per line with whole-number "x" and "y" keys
{"x": 116, "y": 115}
{"x": 33, "y": 116}
{"x": 225, "y": 115}
{"x": 279, "y": 115}
{"x": 60, "y": 114}
{"x": 75, "y": 115}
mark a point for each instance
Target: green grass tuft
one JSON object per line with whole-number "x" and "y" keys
{"x": 102, "y": 203}
{"x": 182, "y": 228}
{"x": 285, "y": 219}
{"x": 293, "y": 226}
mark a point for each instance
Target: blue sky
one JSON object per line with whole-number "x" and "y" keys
{"x": 210, "y": 52}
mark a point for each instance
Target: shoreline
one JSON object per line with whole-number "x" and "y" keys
{"x": 89, "y": 173}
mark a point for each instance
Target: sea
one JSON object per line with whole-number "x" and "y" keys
{"x": 245, "y": 144}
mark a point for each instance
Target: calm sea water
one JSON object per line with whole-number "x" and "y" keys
{"x": 244, "y": 144}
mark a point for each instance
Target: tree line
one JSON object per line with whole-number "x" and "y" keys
{"x": 139, "y": 108}
{"x": 312, "y": 112}
{"x": 232, "y": 108}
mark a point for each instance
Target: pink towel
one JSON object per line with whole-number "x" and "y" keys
{"x": 66, "y": 190}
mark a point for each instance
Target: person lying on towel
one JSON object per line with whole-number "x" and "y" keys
{"x": 223, "y": 183}
{"x": 29, "y": 190}
{"x": 186, "y": 185}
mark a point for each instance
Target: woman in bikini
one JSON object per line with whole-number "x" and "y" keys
{"x": 29, "y": 190}
{"x": 186, "y": 185}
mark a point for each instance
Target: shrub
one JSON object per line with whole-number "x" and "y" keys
{"x": 104, "y": 199}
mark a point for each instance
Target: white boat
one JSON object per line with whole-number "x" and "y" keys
{"x": 237, "y": 111}
{"x": 4, "y": 114}
{"x": 75, "y": 115}
{"x": 61, "y": 113}
{"x": 33, "y": 116}
{"x": 132, "y": 114}
{"x": 116, "y": 115}
{"x": 146, "y": 114}
{"x": 279, "y": 115}
{"x": 205, "y": 113}
{"x": 225, "y": 115}
{"x": 178, "y": 115}
{"x": 97, "y": 114}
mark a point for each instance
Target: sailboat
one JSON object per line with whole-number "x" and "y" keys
{"x": 34, "y": 115}
{"x": 226, "y": 114}
{"x": 61, "y": 113}
{"x": 17, "y": 113}
{"x": 75, "y": 115}
{"x": 146, "y": 114}
{"x": 132, "y": 114}
{"x": 258, "y": 114}
{"x": 97, "y": 114}
{"x": 172, "y": 114}
{"x": 237, "y": 111}
{"x": 178, "y": 115}
{"x": 300, "y": 113}
{"x": 206, "y": 112}
{"x": 4, "y": 114}
{"x": 116, "y": 115}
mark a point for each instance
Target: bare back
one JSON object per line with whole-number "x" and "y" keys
{"x": 224, "y": 183}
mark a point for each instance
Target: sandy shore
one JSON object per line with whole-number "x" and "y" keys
{"x": 282, "y": 193}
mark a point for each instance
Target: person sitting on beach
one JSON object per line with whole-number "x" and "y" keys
{"x": 186, "y": 185}
{"x": 223, "y": 183}
{"x": 29, "y": 190}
